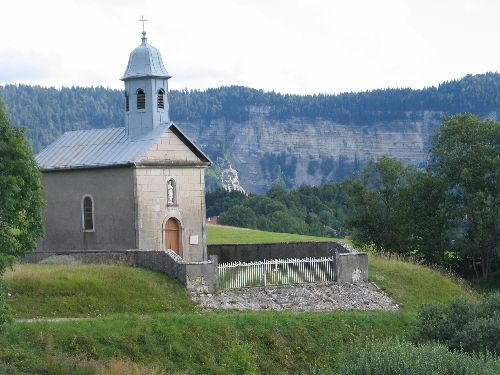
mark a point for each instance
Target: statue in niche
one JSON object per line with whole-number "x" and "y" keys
{"x": 170, "y": 192}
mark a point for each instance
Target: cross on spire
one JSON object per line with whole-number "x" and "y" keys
{"x": 142, "y": 20}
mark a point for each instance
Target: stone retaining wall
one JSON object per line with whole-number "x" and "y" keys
{"x": 350, "y": 266}
{"x": 201, "y": 277}
{"x": 267, "y": 251}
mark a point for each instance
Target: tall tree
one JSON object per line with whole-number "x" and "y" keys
{"x": 466, "y": 154}
{"x": 377, "y": 206}
{"x": 20, "y": 197}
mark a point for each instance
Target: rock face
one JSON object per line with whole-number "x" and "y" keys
{"x": 303, "y": 151}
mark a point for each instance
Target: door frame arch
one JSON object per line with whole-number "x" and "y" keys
{"x": 164, "y": 233}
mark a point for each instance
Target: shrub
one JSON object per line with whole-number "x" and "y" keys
{"x": 405, "y": 358}
{"x": 4, "y": 308}
{"x": 479, "y": 335}
{"x": 462, "y": 324}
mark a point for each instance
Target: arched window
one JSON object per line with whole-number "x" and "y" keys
{"x": 161, "y": 103}
{"x": 88, "y": 213}
{"x": 141, "y": 99}
{"x": 127, "y": 105}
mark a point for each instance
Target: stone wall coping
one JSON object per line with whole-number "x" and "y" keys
{"x": 274, "y": 243}
{"x": 177, "y": 258}
{"x": 172, "y": 254}
{"x": 61, "y": 252}
{"x": 352, "y": 253}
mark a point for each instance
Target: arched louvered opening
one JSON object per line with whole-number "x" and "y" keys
{"x": 127, "y": 102}
{"x": 161, "y": 102}
{"x": 141, "y": 99}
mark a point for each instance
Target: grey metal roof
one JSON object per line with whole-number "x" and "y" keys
{"x": 145, "y": 61}
{"x": 95, "y": 148}
{"x": 104, "y": 147}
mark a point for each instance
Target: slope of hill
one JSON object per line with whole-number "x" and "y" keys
{"x": 271, "y": 137}
{"x": 143, "y": 323}
{"x": 84, "y": 290}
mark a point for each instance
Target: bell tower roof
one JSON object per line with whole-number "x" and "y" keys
{"x": 145, "y": 61}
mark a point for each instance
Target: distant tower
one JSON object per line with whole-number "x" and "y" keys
{"x": 146, "y": 88}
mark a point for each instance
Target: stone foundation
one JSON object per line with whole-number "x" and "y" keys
{"x": 201, "y": 277}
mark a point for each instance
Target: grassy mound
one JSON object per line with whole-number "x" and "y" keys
{"x": 146, "y": 324}
{"x": 208, "y": 343}
{"x": 58, "y": 290}
{"x": 409, "y": 284}
{"x": 220, "y": 234}
{"x": 412, "y": 285}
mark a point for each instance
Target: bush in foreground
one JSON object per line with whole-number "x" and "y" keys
{"x": 394, "y": 358}
{"x": 462, "y": 324}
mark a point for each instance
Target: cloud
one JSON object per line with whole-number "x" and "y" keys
{"x": 17, "y": 69}
{"x": 296, "y": 46}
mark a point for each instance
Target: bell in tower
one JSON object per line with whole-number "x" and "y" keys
{"x": 146, "y": 88}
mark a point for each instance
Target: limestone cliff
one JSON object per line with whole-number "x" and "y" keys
{"x": 309, "y": 151}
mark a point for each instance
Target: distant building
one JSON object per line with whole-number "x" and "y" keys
{"x": 212, "y": 220}
{"x": 136, "y": 187}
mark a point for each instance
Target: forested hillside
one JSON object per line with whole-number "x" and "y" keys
{"x": 48, "y": 112}
{"x": 271, "y": 137}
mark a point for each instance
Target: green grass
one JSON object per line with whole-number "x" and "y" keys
{"x": 56, "y": 290}
{"x": 412, "y": 285}
{"x": 409, "y": 284}
{"x": 219, "y": 234}
{"x": 207, "y": 343}
{"x": 146, "y": 318}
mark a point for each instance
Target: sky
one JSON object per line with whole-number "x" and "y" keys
{"x": 287, "y": 46}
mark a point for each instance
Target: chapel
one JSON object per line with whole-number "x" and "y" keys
{"x": 140, "y": 186}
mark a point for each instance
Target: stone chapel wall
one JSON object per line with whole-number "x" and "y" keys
{"x": 112, "y": 193}
{"x": 188, "y": 208}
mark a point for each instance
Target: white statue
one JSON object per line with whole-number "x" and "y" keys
{"x": 170, "y": 193}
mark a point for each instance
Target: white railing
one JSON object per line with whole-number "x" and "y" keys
{"x": 275, "y": 272}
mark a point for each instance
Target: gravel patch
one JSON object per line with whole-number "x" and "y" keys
{"x": 303, "y": 297}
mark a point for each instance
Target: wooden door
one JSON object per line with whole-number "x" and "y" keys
{"x": 172, "y": 235}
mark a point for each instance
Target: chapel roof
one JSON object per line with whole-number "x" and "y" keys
{"x": 145, "y": 61}
{"x": 98, "y": 148}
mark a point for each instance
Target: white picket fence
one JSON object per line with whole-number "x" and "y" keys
{"x": 275, "y": 272}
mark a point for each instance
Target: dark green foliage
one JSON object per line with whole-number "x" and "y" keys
{"x": 377, "y": 208}
{"x": 447, "y": 215}
{"x": 20, "y": 195}
{"x": 48, "y": 112}
{"x": 309, "y": 210}
{"x": 239, "y": 216}
{"x": 477, "y": 94}
{"x": 280, "y": 168}
{"x": 326, "y": 166}
{"x": 218, "y": 201}
{"x": 20, "y": 201}
{"x": 426, "y": 214}
{"x": 479, "y": 335}
{"x": 403, "y": 358}
{"x": 5, "y": 316}
{"x": 466, "y": 156}
{"x": 462, "y": 324}
{"x": 312, "y": 167}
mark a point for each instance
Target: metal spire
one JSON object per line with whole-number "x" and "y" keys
{"x": 144, "y": 39}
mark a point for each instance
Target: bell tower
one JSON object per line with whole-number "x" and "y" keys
{"x": 146, "y": 90}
